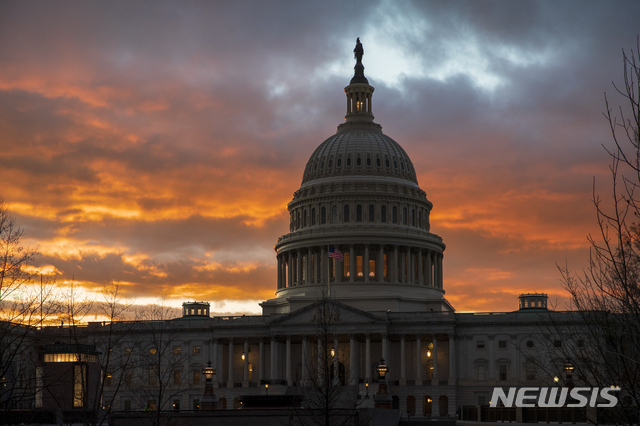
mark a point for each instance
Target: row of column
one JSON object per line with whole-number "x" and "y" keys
{"x": 310, "y": 266}
{"x": 353, "y": 360}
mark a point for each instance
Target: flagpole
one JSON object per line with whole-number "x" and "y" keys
{"x": 328, "y": 273}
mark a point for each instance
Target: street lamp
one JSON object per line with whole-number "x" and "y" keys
{"x": 383, "y": 398}
{"x": 568, "y": 369}
{"x": 208, "y": 399}
{"x": 266, "y": 388}
{"x": 366, "y": 386}
{"x": 382, "y": 369}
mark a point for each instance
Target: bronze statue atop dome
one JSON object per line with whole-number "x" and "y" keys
{"x": 358, "y": 52}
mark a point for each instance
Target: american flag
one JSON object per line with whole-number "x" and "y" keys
{"x": 336, "y": 254}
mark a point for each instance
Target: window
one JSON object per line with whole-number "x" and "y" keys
{"x": 346, "y": 265}
{"x": 79, "y": 384}
{"x": 197, "y": 350}
{"x": 196, "y": 404}
{"x": 368, "y": 161}
{"x": 413, "y": 217}
{"x": 127, "y": 378}
{"x": 323, "y": 215}
{"x": 502, "y": 371}
{"x": 153, "y": 376}
{"x": 127, "y": 405}
{"x": 176, "y": 377}
{"x": 177, "y": 350}
{"x": 348, "y": 161}
{"x": 394, "y": 214}
{"x": 358, "y": 161}
{"x": 128, "y": 351}
{"x": 404, "y": 215}
{"x": 313, "y": 216}
{"x": 395, "y": 164}
{"x": 330, "y": 163}
{"x": 557, "y": 343}
{"x": 378, "y": 162}
{"x": 386, "y": 266}
{"x": 386, "y": 163}
{"x": 530, "y": 369}
{"x": 358, "y": 213}
{"x": 530, "y": 344}
{"x": 480, "y": 344}
{"x": 345, "y": 213}
{"x": 176, "y": 404}
{"x": 481, "y": 371}
{"x": 502, "y": 344}
{"x": 334, "y": 214}
{"x": 383, "y": 214}
{"x": 151, "y": 405}
{"x": 196, "y": 376}
{"x": 108, "y": 380}
{"x": 371, "y": 213}
{"x": 339, "y": 162}
{"x": 359, "y": 272}
{"x": 304, "y": 218}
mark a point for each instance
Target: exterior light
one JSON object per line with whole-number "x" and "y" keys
{"x": 208, "y": 372}
{"x": 429, "y": 400}
{"x": 242, "y": 356}
{"x": 333, "y": 352}
{"x": 382, "y": 369}
{"x": 266, "y": 388}
{"x": 428, "y": 354}
{"x": 568, "y": 366}
{"x": 556, "y": 379}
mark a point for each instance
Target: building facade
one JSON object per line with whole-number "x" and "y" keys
{"x": 360, "y": 242}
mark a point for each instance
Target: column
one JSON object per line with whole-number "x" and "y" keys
{"x": 230, "y": 382}
{"x": 384, "y": 349}
{"x": 215, "y": 363}
{"x": 409, "y": 265}
{"x": 367, "y": 367}
{"x": 279, "y": 260}
{"x": 380, "y": 264}
{"x": 434, "y": 380}
{"x": 403, "y": 366}
{"x": 402, "y": 267}
{"x": 394, "y": 265}
{"x": 323, "y": 268}
{"x": 305, "y": 362}
{"x": 353, "y": 368}
{"x": 299, "y": 269}
{"x": 352, "y": 263}
{"x": 452, "y": 359}
{"x": 288, "y": 362}
{"x": 308, "y": 280}
{"x": 365, "y": 263}
{"x": 261, "y": 362}
{"x": 420, "y": 269}
{"x": 272, "y": 348}
{"x": 336, "y": 365}
{"x": 441, "y": 272}
{"x": 418, "y": 360}
{"x": 492, "y": 358}
{"x": 290, "y": 271}
{"x": 428, "y": 281}
{"x": 245, "y": 373}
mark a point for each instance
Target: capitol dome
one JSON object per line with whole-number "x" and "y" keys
{"x": 359, "y": 229}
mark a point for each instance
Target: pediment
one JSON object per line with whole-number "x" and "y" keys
{"x": 328, "y": 312}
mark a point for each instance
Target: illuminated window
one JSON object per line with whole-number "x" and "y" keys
{"x": 346, "y": 265}
{"x": 151, "y": 405}
{"x": 79, "y": 383}
{"x": 196, "y": 376}
{"x": 359, "y": 272}
{"x": 385, "y": 265}
{"x": 197, "y": 350}
{"x": 70, "y": 357}
{"x": 153, "y": 351}
{"x": 372, "y": 267}
{"x": 108, "y": 379}
{"x": 332, "y": 268}
{"x": 177, "y": 350}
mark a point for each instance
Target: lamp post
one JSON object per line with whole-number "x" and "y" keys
{"x": 208, "y": 399}
{"x": 266, "y": 388}
{"x": 383, "y": 398}
{"x": 568, "y": 369}
{"x": 366, "y": 386}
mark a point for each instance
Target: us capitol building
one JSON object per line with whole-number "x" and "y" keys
{"x": 360, "y": 199}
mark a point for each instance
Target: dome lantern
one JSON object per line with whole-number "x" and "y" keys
{"x": 359, "y": 92}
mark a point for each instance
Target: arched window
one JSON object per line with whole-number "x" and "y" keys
{"x": 419, "y": 218}
{"x": 386, "y": 163}
{"x": 371, "y": 212}
{"x": 304, "y": 218}
{"x": 358, "y": 161}
{"x": 358, "y": 213}
{"x": 404, "y": 215}
{"x": 313, "y": 216}
{"x": 378, "y": 162}
{"x": 413, "y": 217}
{"x": 298, "y": 221}
{"x": 323, "y": 215}
{"x": 334, "y": 214}
{"x": 348, "y": 161}
{"x": 394, "y": 214}
{"x": 345, "y": 213}
{"x": 339, "y": 162}
{"x": 383, "y": 214}
{"x": 368, "y": 161}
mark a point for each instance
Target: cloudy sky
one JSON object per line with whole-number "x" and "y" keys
{"x": 156, "y": 144}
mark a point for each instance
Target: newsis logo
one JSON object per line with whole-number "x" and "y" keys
{"x": 555, "y": 397}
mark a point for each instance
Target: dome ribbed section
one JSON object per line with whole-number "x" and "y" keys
{"x": 359, "y": 151}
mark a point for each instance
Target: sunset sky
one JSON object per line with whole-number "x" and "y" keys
{"x": 156, "y": 144}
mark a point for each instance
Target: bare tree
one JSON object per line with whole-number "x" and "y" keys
{"x": 605, "y": 342}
